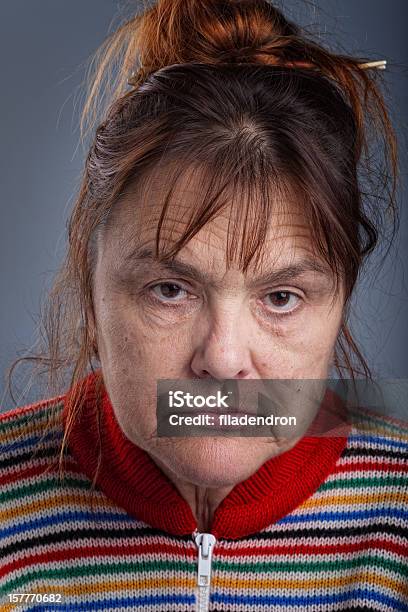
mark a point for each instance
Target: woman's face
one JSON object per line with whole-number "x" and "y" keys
{"x": 199, "y": 319}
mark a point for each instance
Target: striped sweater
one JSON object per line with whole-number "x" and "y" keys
{"x": 323, "y": 526}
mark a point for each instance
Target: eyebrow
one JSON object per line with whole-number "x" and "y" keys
{"x": 281, "y": 275}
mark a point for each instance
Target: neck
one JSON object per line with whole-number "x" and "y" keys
{"x": 202, "y": 500}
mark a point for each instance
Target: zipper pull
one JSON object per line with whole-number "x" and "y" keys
{"x": 205, "y": 543}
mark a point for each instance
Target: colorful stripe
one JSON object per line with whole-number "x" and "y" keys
{"x": 345, "y": 547}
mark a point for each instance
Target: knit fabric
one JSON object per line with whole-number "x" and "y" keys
{"x": 323, "y": 526}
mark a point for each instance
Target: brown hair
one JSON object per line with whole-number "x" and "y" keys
{"x": 235, "y": 90}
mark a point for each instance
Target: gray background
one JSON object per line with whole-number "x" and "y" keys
{"x": 44, "y": 45}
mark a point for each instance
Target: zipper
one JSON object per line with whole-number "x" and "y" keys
{"x": 205, "y": 543}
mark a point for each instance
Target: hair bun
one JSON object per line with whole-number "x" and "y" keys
{"x": 215, "y": 32}
{"x": 210, "y": 31}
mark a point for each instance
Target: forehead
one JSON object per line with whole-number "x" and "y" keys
{"x": 136, "y": 217}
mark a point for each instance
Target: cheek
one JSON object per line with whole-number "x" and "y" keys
{"x": 301, "y": 349}
{"x": 118, "y": 339}
{"x": 130, "y": 361}
{"x": 127, "y": 342}
{"x": 320, "y": 339}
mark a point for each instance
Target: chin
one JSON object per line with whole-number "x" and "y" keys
{"x": 213, "y": 461}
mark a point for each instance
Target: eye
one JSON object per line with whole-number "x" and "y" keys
{"x": 169, "y": 292}
{"x": 282, "y": 301}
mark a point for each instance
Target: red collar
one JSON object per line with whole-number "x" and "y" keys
{"x": 129, "y": 477}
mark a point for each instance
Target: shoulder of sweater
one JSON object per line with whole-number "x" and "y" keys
{"x": 31, "y": 429}
{"x": 21, "y": 418}
{"x": 378, "y": 434}
{"x": 368, "y": 419}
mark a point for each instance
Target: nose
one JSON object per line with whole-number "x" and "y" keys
{"x": 222, "y": 349}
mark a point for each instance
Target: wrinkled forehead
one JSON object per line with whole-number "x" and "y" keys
{"x": 138, "y": 213}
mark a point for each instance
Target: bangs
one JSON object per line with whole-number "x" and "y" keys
{"x": 192, "y": 194}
